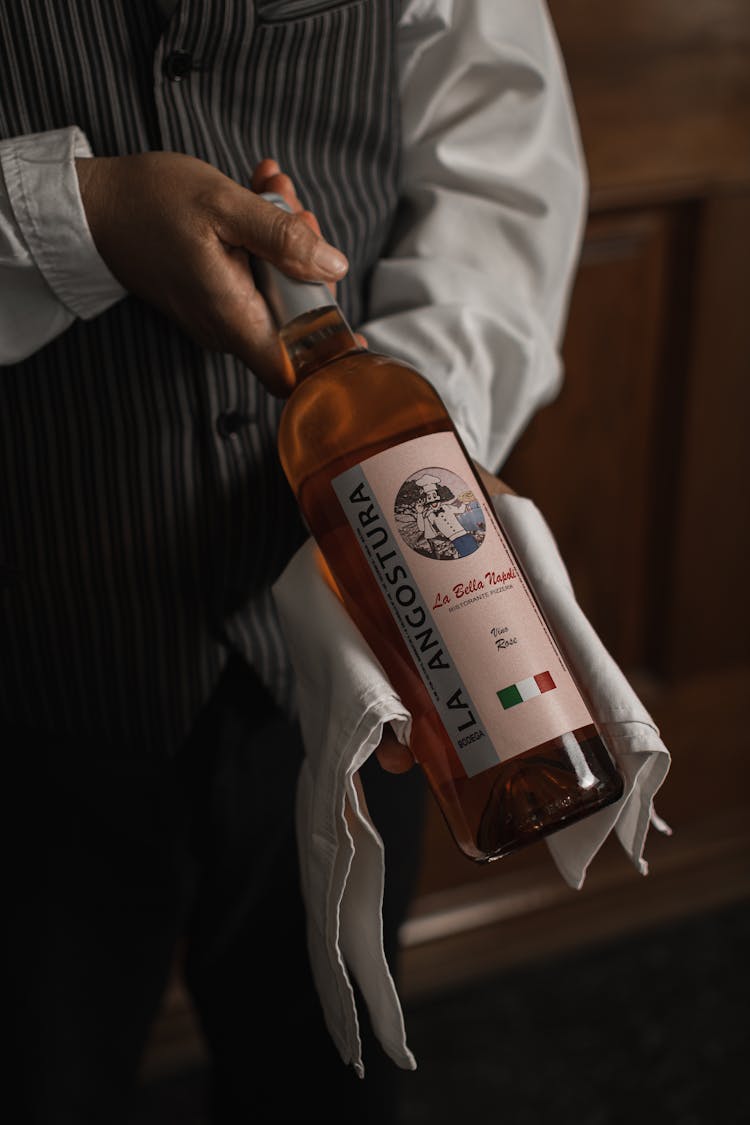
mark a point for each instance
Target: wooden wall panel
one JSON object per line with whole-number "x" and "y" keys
{"x": 662, "y": 91}
{"x": 585, "y": 459}
{"x": 707, "y": 622}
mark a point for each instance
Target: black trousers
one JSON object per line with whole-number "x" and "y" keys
{"x": 124, "y": 863}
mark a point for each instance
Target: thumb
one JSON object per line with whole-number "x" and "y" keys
{"x": 286, "y": 240}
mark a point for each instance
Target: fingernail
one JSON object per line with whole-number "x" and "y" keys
{"x": 329, "y": 260}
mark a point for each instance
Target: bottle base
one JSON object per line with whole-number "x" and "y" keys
{"x": 536, "y": 794}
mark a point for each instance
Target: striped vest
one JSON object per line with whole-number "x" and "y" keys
{"x": 143, "y": 511}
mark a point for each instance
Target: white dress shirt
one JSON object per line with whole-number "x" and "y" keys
{"x": 475, "y": 286}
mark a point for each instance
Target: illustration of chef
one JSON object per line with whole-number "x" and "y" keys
{"x": 436, "y": 521}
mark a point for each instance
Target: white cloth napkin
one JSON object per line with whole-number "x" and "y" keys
{"x": 345, "y": 700}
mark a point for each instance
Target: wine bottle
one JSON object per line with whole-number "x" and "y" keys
{"x": 416, "y": 554}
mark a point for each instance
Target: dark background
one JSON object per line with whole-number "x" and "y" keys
{"x": 652, "y": 1029}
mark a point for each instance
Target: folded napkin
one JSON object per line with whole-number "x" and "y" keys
{"x": 344, "y": 701}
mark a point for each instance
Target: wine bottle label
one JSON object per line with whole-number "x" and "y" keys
{"x": 475, "y": 632}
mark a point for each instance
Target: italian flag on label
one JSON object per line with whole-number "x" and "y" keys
{"x": 525, "y": 689}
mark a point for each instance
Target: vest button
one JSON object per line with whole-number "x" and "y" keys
{"x": 231, "y": 422}
{"x": 177, "y": 65}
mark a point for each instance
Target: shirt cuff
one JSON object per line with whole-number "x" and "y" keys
{"x": 43, "y": 192}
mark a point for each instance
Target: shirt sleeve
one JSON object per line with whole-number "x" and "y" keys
{"x": 474, "y": 286}
{"x": 50, "y": 270}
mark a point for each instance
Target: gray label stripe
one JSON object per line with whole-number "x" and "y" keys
{"x": 415, "y": 621}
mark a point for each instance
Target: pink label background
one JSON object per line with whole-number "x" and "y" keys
{"x": 484, "y": 668}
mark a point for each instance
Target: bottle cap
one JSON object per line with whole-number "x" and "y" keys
{"x": 287, "y": 297}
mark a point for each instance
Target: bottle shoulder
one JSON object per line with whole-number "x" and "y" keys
{"x": 356, "y": 401}
{"x": 364, "y": 359}
{"x": 360, "y": 382}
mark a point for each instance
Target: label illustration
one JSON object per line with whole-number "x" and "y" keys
{"x": 438, "y": 515}
{"x": 482, "y": 648}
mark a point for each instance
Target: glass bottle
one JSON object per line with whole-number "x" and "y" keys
{"x": 413, "y": 548}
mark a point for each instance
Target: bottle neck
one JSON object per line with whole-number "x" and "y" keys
{"x": 312, "y": 328}
{"x": 317, "y": 337}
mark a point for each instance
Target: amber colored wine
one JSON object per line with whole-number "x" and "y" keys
{"x": 356, "y": 425}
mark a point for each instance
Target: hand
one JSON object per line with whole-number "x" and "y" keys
{"x": 392, "y": 755}
{"x": 269, "y": 177}
{"x": 178, "y": 233}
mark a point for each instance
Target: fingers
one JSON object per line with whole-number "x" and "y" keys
{"x": 294, "y": 244}
{"x": 392, "y": 756}
{"x": 291, "y": 241}
{"x": 262, "y": 172}
{"x": 249, "y": 333}
{"x": 269, "y": 177}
